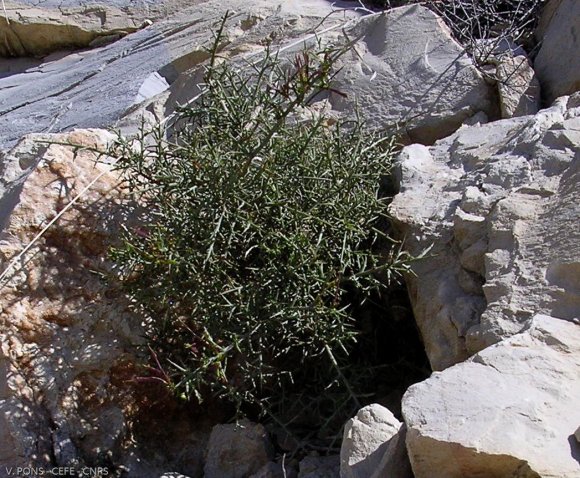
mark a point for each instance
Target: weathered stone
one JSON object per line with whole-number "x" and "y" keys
{"x": 68, "y": 393}
{"x": 34, "y": 30}
{"x": 429, "y": 98}
{"x": 373, "y": 446}
{"x": 506, "y": 64}
{"x": 519, "y": 89}
{"x": 498, "y": 204}
{"x": 237, "y": 450}
{"x": 558, "y": 62}
{"x": 511, "y": 410}
{"x": 95, "y": 88}
{"x": 50, "y": 303}
{"x": 405, "y": 69}
{"x": 320, "y": 467}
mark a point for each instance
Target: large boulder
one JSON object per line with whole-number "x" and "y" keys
{"x": 94, "y": 88}
{"x": 373, "y": 445}
{"x": 558, "y": 62}
{"x": 511, "y": 410}
{"x": 403, "y": 71}
{"x": 498, "y": 204}
{"x": 406, "y": 70}
{"x": 51, "y": 300}
{"x": 35, "y": 28}
{"x": 69, "y": 341}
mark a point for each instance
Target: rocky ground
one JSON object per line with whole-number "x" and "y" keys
{"x": 487, "y": 182}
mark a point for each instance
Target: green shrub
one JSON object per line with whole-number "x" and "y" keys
{"x": 260, "y": 228}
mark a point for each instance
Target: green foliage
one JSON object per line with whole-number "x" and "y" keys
{"x": 259, "y": 229}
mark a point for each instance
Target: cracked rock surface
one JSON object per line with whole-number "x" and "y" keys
{"x": 94, "y": 88}
{"x": 407, "y": 58}
{"x": 69, "y": 342}
{"x": 38, "y": 27}
{"x": 498, "y": 203}
{"x": 509, "y": 411}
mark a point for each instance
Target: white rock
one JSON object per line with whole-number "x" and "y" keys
{"x": 558, "y": 62}
{"x": 373, "y": 445}
{"x": 499, "y": 205}
{"x": 237, "y": 450}
{"x": 406, "y": 69}
{"x": 511, "y": 410}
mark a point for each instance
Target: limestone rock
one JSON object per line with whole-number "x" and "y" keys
{"x": 518, "y": 87}
{"x": 34, "y": 30}
{"x": 507, "y": 65}
{"x": 498, "y": 204}
{"x": 558, "y": 62}
{"x": 320, "y": 467}
{"x": 237, "y": 450}
{"x": 406, "y": 69}
{"x": 511, "y": 410}
{"x": 373, "y": 445}
{"x": 68, "y": 355}
{"x": 50, "y": 300}
{"x": 96, "y": 88}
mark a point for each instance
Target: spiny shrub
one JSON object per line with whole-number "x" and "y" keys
{"x": 259, "y": 227}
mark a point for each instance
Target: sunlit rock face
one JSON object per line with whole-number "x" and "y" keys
{"x": 510, "y": 410}
{"x": 558, "y": 62}
{"x": 498, "y": 205}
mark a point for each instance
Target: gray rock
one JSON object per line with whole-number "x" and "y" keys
{"x": 320, "y": 467}
{"x": 95, "y": 88}
{"x": 237, "y": 450}
{"x": 558, "y": 62}
{"x": 425, "y": 83}
{"x": 406, "y": 70}
{"x": 373, "y": 445}
{"x": 518, "y": 87}
{"x": 498, "y": 203}
{"x": 511, "y": 410}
